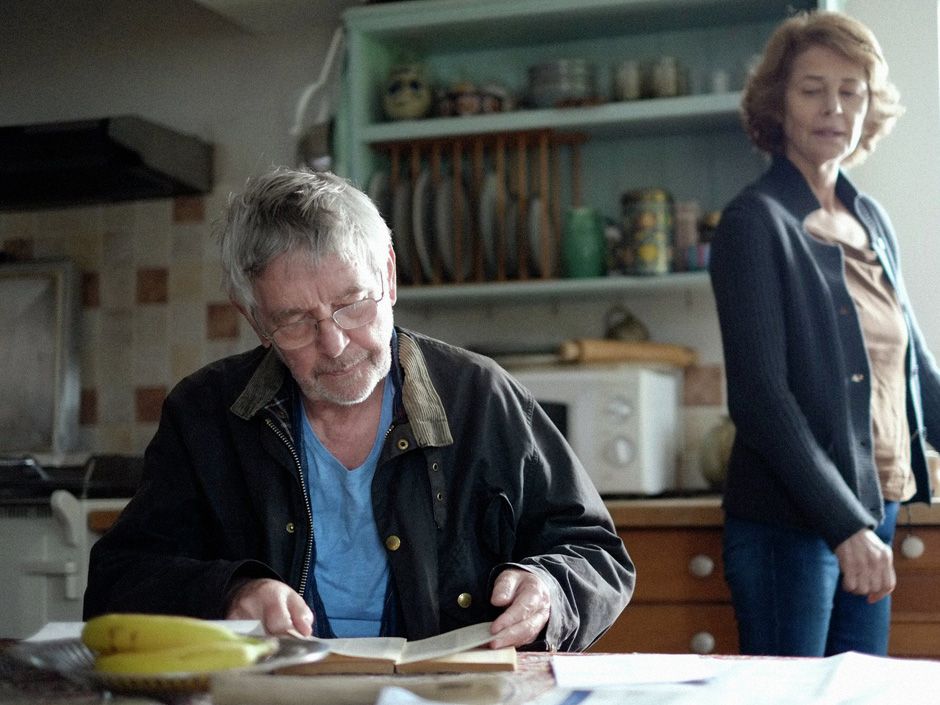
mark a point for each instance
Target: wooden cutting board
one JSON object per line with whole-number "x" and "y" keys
{"x": 588, "y": 350}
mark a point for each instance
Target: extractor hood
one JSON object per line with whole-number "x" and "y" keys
{"x": 99, "y": 161}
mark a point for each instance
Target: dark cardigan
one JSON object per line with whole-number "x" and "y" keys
{"x": 797, "y": 368}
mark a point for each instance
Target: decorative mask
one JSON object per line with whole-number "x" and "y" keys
{"x": 407, "y": 93}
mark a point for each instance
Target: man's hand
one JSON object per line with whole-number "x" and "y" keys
{"x": 867, "y": 565}
{"x": 275, "y": 604}
{"x": 529, "y": 605}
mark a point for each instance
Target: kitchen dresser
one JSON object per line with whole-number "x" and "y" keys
{"x": 682, "y": 604}
{"x": 690, "y": 145}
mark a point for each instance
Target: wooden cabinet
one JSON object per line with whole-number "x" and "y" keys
{"x": 915, "y": 618}
{"x": 682, "y": 604}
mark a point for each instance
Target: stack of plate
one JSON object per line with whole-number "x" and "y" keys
{"x": 425, "y": 233}
{"x": 561, "y": 82}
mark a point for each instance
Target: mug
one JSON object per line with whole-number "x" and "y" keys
{"x": 583, "y": 243}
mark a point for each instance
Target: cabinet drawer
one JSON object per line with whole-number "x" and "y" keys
{"x": 919, "y": 638}
{"x": 917, "y": 593}
{"x": 672, "y": 629}
{"x": 677, "y": 565}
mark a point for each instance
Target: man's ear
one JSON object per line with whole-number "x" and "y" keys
{"x": 392, "y": 276}
{"x": 251, "y": 321}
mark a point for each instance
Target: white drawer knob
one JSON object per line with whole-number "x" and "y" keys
{"x": 701, "y": 566}
{"x": 912, "y": 547}
{"x": 702, "y": 643}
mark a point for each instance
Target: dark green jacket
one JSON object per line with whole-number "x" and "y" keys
{"x": 473, "y": 476}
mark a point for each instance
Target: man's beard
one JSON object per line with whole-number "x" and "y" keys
{"x": 354, "y": 390}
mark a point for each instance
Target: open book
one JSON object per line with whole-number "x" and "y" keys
{"x": 452, "y": 652}
{"x": 456, "y": 651}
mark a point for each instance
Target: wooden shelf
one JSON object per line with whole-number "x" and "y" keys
{"x": 695, "y": 113}
{"x": 538, "y": 290}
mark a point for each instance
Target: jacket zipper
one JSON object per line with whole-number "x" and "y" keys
{"x": 303, "y": 486}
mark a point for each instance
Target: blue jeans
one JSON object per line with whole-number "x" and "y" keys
{"x": 788, "y": 597}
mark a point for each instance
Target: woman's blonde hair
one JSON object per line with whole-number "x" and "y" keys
{"x": 764, "y": 103}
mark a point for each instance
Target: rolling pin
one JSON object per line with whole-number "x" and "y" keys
{"x": 587, "y": 350}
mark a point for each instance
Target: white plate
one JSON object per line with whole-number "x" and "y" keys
{"x": 512, "y": 248}
{"x": 534, "y": 226}
{"x": 422, "y": 222}
{"x": 486, "y": 218}
{"x": 378, "y": 192}
{"x": 401, "y": 227}
{"x": 445, "y": 232}
{"x": 71, "y": 660}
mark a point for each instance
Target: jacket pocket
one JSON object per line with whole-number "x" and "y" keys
{"x": 481, "y": 543}
{"x": 497, "y": 530}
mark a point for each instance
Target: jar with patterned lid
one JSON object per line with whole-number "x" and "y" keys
{"x": 648, "y": 230}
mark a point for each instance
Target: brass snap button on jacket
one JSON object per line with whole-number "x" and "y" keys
{"x": 402, "y": 444}
{"x": 289, "y": 528}
{"x": 393, "y": 543}
{"x": 464, "y": 600}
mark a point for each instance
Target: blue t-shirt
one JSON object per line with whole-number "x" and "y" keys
{"x": 351, "y": 568}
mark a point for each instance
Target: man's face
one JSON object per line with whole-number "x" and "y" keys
{"x": 341, "y": 367}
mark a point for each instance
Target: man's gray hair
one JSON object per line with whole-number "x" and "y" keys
{"x": 296, "y": 210}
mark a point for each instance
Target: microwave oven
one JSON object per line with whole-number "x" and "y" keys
{"x": 621, "y": 420}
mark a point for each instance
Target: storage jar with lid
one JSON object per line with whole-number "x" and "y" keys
{"x": 648, "y": 230}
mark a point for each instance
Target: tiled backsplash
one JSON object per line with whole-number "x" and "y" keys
{"x": 153, "y": 311}
{"x": 152, "y": 305}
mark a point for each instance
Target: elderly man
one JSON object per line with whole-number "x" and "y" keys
{"x": 351, "y": 478}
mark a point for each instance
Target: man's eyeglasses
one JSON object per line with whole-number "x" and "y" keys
{"x": 302, "y": 332}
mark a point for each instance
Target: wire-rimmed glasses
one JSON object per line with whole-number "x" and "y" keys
{"x": 303, "y": 331}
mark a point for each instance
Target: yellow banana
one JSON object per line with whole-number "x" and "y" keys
{"x": 194, "y": 658}
{"x": 112, "y": 633}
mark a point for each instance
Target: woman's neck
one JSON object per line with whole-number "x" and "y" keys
{"x": 822, "y": 181}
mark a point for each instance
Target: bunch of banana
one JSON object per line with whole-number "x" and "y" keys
{"x": 151, "y": 644}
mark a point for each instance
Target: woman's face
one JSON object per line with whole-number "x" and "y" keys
{"x": 825, "y": 108}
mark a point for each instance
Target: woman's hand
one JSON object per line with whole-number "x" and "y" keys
{"x": 867, "y": 565}
{"x": 279, "y": 608}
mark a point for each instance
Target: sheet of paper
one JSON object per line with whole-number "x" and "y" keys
{"x": 846, "y": 679}
{"x": 591, "y": 671}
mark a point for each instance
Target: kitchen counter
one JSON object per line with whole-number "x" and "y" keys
{"x": 705, "y": 511}
{"x": 702, "y": 511}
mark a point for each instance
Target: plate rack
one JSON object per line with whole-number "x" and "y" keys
{"x": 501, "y": 215}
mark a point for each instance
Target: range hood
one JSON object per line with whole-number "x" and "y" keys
{"x": 99, "y": 161}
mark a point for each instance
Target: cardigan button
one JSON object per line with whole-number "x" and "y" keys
{"x": 393, "y": 543}
{"x": 464, "y": 600}
{"x": 843, "y": 310}
{"x": 857, "y": 377}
